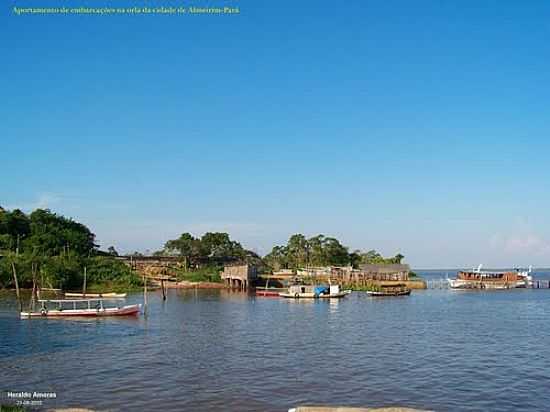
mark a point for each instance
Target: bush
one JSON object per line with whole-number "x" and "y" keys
{"x": 104, "y": 273}
{"x": 67, "y": 272}
{"x": 208, "y": 274}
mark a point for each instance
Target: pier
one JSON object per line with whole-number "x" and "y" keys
{"x": 541, "y": 284}
{"x": 437, "y": 284}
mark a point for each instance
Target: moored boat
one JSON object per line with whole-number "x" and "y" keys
{"x": 95, "y": 295}
{"x": 478, "y": 279}
{"x": 314, "y": 292}
{"x": 389, "y": 290}
{"x": 267, "y": 290}
{"x": 270, "y": 292}
{"x": 81, "y": 307}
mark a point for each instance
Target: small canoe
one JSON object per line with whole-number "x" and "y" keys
{"x": 95, "y": 295}
{"x": 388, "y": 293}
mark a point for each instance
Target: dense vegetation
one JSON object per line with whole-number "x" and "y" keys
{"x": 54, "y": 251}
{"x": 212, "y": 250}
{"x": 321, "y": 251}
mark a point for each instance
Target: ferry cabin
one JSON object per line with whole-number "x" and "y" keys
{"x": 507, "y": 277}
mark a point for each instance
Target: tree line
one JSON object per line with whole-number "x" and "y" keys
{"x": 213, "y": 249}
{"x": 321, "y": 250}
{"x": 55, "y": 249}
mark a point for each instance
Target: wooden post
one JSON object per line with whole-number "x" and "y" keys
{"x": 144, "y": 295}
{"x": 84, "y": 284}
{"x": 16, "y": 286}
{"x": 33, "y": 295}
{"x": 163, "y": 289}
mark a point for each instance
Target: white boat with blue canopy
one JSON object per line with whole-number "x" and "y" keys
{"x": 314, "y": 292}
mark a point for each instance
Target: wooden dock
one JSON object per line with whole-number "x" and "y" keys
{"x": 541, "y": 284}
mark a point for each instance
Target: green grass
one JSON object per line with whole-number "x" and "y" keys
{"x": 113, "y": 286}
{"x": 11, "y": 408}
{"x": 200, "y": 275}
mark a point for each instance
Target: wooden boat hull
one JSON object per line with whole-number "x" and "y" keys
{"x": 315, "y": 296}
{"x": 403, "y": 293}
{"x": 95, "y": 295}
{"x": 460, "y": 284}
{"x": 267, "y": 293}
{"x": 128, "y": 310}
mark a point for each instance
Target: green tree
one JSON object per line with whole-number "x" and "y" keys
{"x": 373, "y": 257}
{"x": 212, "y": 249}
{"x": 336, "y": 254}
{"x": 297, "y": 251}
{"x": 51, "y": 235}
{"x": 14, "y": 228}
{"x": 316, "y": 251}
{"x": 112, "y": 251}
{"x": 186, "y": 246}
{"x": 277, "y": 259}
{"x": 219, "y": 248}
{"x": 398, "y": 258}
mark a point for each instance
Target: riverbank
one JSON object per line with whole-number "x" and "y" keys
{"x": 185, "y": 284}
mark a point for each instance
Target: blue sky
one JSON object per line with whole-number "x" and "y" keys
{"x": 413, "y": 127}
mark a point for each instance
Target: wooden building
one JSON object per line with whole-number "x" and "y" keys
{"x": 365, "y": 274}
{"x": 386, "y": 271}
{"x": 239, "y": 276}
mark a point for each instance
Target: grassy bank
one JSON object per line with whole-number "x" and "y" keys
{"x": 208, "y": 274}
{"x": 11, "y": 408}
{"x": 112, "y": 286}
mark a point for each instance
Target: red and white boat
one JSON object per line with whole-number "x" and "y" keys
{"x": 81, "y": 307}
{"x": 269, "y": 292}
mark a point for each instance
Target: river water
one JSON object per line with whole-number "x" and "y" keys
{"x": 218, "y": 350}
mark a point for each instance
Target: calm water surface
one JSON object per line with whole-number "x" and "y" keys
{"x": 216, "y": 350}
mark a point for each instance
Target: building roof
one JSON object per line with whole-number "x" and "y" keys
{"x": 385, "y": 268}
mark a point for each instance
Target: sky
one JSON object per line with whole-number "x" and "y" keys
{"x": 413, "y": 127}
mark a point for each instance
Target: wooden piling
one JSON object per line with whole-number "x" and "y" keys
{"x": 16, "y": 286}
{"x": 162, "y": 286}
{"x": 84, "y": 284}
{"x": 33, "y": 294}
{"x": 144, "y": 295}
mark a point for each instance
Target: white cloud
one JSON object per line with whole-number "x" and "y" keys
{"x": 521, "y": 244}
{"x": 43, "y": 201}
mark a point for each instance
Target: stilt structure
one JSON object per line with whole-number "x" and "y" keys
{"x": 239, "y": 276}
